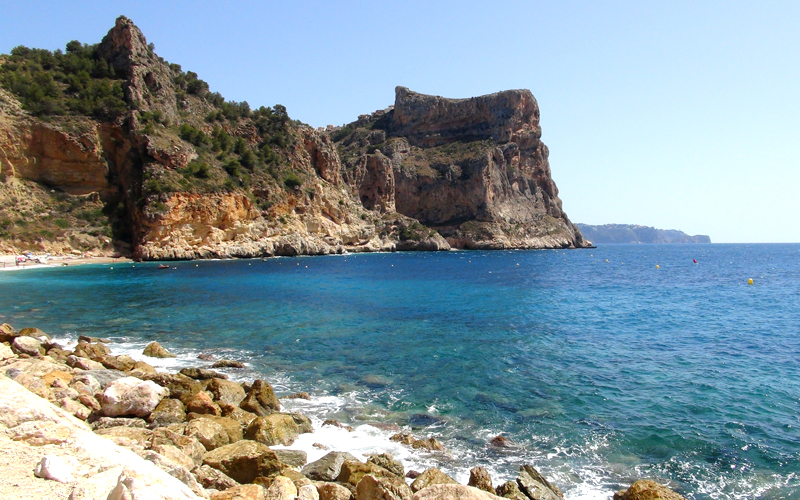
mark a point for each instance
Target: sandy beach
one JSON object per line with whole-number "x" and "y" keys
{"x": 8, "y": 262}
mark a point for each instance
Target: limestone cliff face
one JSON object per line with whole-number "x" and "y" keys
{"x": 473, "y": 169}
{"x": 179, "y": 177}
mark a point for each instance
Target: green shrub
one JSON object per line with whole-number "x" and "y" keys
{"x": 291, "y": 181}
{"x": 62, "y": 223}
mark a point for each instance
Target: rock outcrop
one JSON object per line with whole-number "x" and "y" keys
{"x": 475, "y": 170}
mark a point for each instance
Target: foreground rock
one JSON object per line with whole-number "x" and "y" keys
{"x": 131, "y": 396}
{"x": 647, "y": 490}
{"x": 453, "y": 492}
{"x": 41, "y": 429}
{"x": 535, "y": 486}
{"x": 244, "y": 461}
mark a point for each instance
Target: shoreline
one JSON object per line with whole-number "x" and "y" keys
{"x": 8, "y": 262}
{"x": 36, "y": 372}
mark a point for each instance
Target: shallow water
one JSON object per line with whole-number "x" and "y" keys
{"x": 600, "y": 367}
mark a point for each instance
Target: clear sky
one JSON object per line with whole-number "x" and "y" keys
{"x": 678, "y": 115}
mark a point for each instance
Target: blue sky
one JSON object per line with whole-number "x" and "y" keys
{"x": 679, "y": 115}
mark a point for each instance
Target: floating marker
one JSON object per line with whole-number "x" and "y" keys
{"x": 606, "y": 260}
{"x": 749, "y": 281}
{"x": 656, "y": 266}
{"x": 112, "y": 268}
{"x": 694, "y": 260}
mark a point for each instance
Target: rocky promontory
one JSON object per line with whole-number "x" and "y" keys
{"x": 633, "y": 233}
{"x": 87, "y": 424}
{"x": 110, "y": 149}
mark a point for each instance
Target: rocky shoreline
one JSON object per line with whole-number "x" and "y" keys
{"x": 98, "y": 425}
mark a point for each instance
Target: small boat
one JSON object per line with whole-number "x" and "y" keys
{"x": 163, "y": 266}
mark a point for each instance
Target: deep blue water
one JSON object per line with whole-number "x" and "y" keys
{"x": 602, "y": 368}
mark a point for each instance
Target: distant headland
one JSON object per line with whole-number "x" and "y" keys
{"x": 634, "y": 233}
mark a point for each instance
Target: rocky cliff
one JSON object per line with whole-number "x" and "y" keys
{"x": 475, "y": 170}
{"x": 154, "y": 165}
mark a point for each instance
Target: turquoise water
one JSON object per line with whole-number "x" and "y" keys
{"x": 600, "y": 367}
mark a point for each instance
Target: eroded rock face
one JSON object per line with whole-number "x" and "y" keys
{"x": 473, "y": 169}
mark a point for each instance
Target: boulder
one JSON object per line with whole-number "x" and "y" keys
{"x": 202, "y": 374}
{"x": 140, "y": 369}
{"x": 353, "y": 471}
{"x": 180, "y": 386}
{"x": 429, "y": 444}
{"x": 304, "y": 424}
{"x": 307, "y": 492}
{"x": 510, "y": 489}
{"x": 210, "y": 434}
{"x": 58, "y": 377}
{"x": 282, "y": 488}
{"x": 27, "y": 345}
{"x": 335, "y": 423}
{"x": 297, "y": 477}
{"x": 382, "y": 488}
{"x": 244, "y": 461}
{"x": 232, "y": 428}
{"x": 480, "y": 478}
{"x": 535, "y": 486}
{"x": 128, "y": 436}
{"x": 646, "y": 489}
{"x": 58, "y": 354}
{"x": 231, "y": 411}
{"x": 5, "y": 352}
{"x": 225, "y": 391}
{"x": 332, "y": 491}
{"x": 83, "y": 363}
{"x": 260, "y": 399}
{"x": 7, "y": 333}
{"x": 292, "y": 458}
{"x": 452, "y": 492}
{"x": 132, "y": 396}
{"x": 205, "y": 356}
{"x": 122, "y": 363}
{"x": 501, "y": 441}
{"x": 211, "y": 478}
{"x": 93, "y": 340}
{"x": 203, "y": 404}
{"x": 168, "y": 411}
{"x": 430, "y": 477}
{"x": 274, "y": 429}
{"x": 188, "y": 445}
{"x": 388, "y": 462}
{"x": 328, "y": 467}
{"x": 241, "y": 492}
{"x": 34, "y": 332}
{"x": 154, "y": 350}
{"x": 102, "y": 377}
{"x": 227, "y": 363}
{"x": 95, "y": 352}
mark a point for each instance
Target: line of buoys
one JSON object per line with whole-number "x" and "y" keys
{"x": 749, "y": 281}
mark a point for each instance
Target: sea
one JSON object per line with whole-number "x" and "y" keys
{"x": 600, "y": 366}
